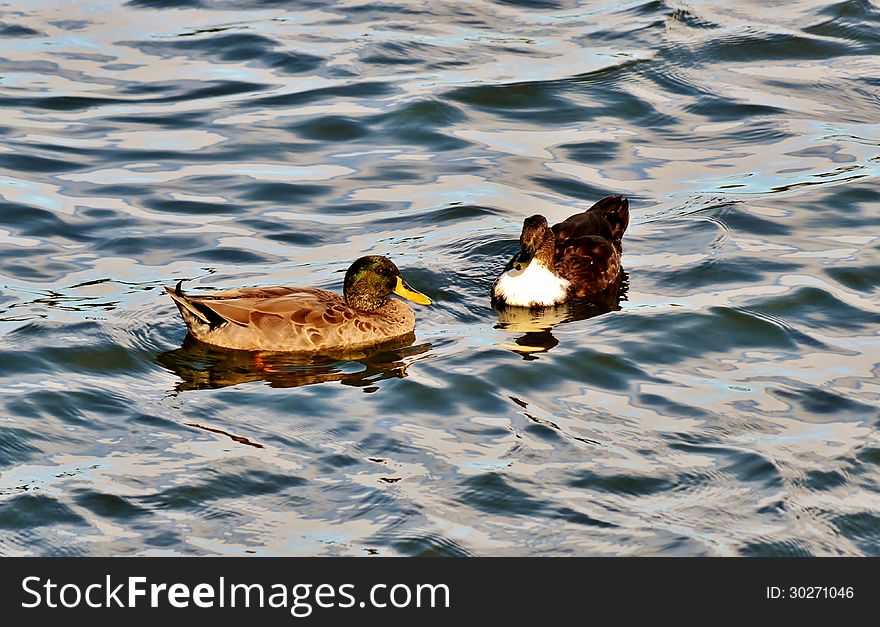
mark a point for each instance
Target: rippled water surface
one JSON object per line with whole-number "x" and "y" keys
{"x": 728, "y": 404}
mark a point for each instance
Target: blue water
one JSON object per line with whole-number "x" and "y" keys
{"x": 727, "y": 403}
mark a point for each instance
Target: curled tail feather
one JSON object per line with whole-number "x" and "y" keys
{"x": 188, "y": 310}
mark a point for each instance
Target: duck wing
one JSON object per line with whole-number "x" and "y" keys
{"x": 607, "y": 219}
{"x": 266, "y": 308}
{"x": 590, "y": 263}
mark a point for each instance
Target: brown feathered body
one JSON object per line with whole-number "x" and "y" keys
{"x": 293, "y": 319}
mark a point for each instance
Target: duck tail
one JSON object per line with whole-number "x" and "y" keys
{"x": 188, "y": 310}
{"x": 616, "y": 211}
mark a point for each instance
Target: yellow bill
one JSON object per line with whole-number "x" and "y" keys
{"x": 404, "y": 290}
{"x": 522, "y": 260}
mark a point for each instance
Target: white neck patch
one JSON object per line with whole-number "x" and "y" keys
{"x": 535, "y": 286}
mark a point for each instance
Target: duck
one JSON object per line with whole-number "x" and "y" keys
{"x": 576, "y": 258}
{"x": 303, "y": 319}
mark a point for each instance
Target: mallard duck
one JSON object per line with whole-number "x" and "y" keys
{"x": 302, "y": 319}
{"x": 573, "y": 259}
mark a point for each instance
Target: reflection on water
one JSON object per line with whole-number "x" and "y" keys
{"x": 204, "y": 367}
{"x": 726, "y": 405}
{"x": 534, "y": 326}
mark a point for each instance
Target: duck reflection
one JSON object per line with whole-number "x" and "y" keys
{"x": 201, "y": 366}
{"x": 534, "y": 325}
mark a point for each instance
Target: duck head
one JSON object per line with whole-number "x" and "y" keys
{"x": 536, "y": 244}
{"x": 370, "y": 280}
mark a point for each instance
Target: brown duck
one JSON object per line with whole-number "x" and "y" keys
{"x": 302, "y": 319}
{"x": 576, "y": 258}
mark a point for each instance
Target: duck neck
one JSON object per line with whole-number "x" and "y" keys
{"x": 364, "y": 301}
{"x": 544, "y": 254}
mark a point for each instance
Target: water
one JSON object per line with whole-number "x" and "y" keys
{"x": 728, "y": 404}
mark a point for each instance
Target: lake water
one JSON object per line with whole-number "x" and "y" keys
{"x": 728, "y": 404}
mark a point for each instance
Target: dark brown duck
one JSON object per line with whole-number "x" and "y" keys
{"x": 576, "y": 258}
